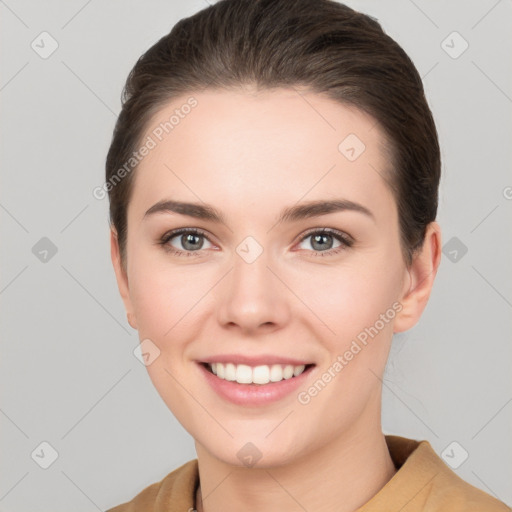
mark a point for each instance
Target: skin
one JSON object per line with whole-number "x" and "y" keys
{"x": 250, "y": 154}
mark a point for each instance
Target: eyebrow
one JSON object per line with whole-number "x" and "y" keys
{"x": 290, "y": 214}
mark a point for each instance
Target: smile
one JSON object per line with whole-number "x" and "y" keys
{"x": 262, "y": 374}
{"x": 254, "y": 385}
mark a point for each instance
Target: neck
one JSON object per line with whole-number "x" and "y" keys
{"x": 342, "y": 476}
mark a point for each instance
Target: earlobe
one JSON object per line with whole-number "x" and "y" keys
{"x": 422, "y": 273}
{"x": 121, "y": 277}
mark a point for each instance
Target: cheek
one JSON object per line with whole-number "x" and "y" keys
{"x": 357, "y": 304}
{"x": 166, "y": 303}
{"x": 352, "y": 297}
{"x": 154, "y": 304}
{"x": 147, "y": 288}
{"x": 168, "y": 299}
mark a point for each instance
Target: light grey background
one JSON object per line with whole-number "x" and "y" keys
{"x": 68, "y": 373}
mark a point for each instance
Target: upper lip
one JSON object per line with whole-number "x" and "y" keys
{"x": 255, "y": 360}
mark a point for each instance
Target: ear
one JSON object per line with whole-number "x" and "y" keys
{"x": 121, "y": 277}
{"x": 418, "y": 284}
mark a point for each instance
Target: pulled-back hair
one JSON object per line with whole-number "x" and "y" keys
{"x": 320, "y": 45}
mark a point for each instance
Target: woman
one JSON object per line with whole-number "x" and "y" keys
{"x": 273, "y": 183}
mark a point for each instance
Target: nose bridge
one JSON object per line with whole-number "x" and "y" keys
{"x": 252, "y": 295}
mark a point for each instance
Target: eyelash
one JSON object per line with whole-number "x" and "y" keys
{"x": 346, "y": 241}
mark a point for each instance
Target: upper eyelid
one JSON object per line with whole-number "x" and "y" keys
{"x": 169, "y": 235}
{"x": 327, "y": 231}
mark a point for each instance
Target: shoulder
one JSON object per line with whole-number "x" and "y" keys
{"x": 451, "y": 492}
{"x": 175, "y": 491}
{"x": 425, "y": 483}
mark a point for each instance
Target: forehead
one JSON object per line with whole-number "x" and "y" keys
{"x": 284, "y": 143}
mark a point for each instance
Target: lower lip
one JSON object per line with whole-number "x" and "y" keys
{"x": 254, "y": 394}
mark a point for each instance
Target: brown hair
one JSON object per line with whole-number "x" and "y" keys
{"x": 321, "y": 45}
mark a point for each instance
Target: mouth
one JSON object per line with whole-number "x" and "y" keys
{"x": 255, "y": 386}
{"x": 260, "y": 375}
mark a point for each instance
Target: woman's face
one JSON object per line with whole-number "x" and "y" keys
{"x": 260, "y": 286}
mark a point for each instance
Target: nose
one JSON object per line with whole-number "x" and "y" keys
{"x": 252, "y": 297}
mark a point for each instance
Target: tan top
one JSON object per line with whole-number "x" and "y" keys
{"x": 422, "y": 483}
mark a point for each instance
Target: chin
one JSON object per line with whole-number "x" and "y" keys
{"x": 252, "y": 454}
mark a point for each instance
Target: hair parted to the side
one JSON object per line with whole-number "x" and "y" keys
{"x": 319, "y": 45}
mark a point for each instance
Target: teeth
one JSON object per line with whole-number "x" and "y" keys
{"x": 244, "y": 374}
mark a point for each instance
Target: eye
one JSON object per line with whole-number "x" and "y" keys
{"x": 323, "y": 240}
{"x": 191, "y": 241}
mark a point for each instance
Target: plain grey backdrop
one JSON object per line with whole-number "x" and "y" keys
{"x": 82, "y": 427}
